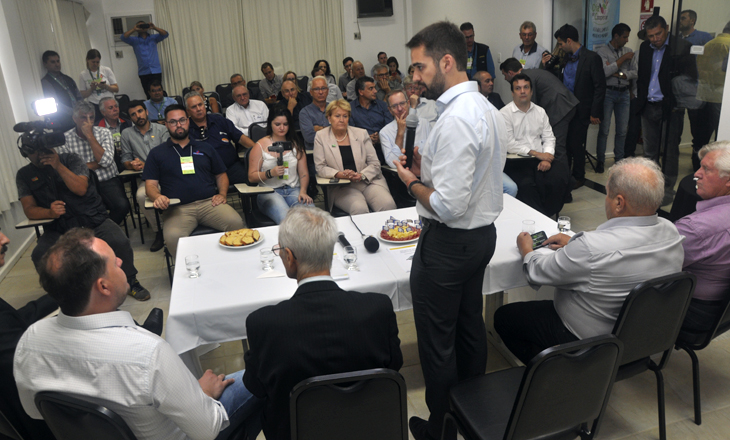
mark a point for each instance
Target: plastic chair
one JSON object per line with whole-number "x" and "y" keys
{"x": 648, "y": 324}
{"x": 691, "y": 341}
{"x": 560, "y": 393}
{"x": 179, "y": 99}
{"x": 7, "y": 429}
{"x": 257, "y": 130}
{"x": 123, "y": 101}
{"x": 360, "y": 405}
{"x": 303, "y": 81}
{"x": 185, "y": 91}
{"x": 71, "y": 418}
{"x": 254, "y": 91}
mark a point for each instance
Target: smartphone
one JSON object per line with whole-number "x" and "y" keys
{"x": 537, "y": 239}
{"x": 334, "y": 180}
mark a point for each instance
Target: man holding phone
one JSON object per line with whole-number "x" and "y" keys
{"x": 145, "y": 49}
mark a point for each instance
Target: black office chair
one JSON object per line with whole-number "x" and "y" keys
{"x": 123, "y": 101}
{"x": 361, "y": 405}
{"x": 303, "y": 82}
{"x": 179, "y": 99}
{"x": 257, "y": 130}
{"x": 648, "y": 324}
{"x": 71, "y": 418}
{"x": 254, "y": 92}
{"x": 7, "y": 429}
{"x": 691, "y": 341}
{"x": 185, "y": 91}
{"x": 559, "y": 394}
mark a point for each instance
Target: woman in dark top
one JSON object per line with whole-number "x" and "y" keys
{"x": 327, "y": 73}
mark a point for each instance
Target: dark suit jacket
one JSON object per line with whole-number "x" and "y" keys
{"x": 13, "y": 323}
{"x": 676, "y": 61}
{"x": 551, "y": 94}
{"x": 590, "y": 86}
{"x": 496, "y": 100}
{"x": 321, "y": 330}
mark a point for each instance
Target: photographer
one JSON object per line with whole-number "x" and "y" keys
{"x": 145, "y": 49}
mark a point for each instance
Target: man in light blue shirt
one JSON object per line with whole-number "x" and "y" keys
{"x": 145, "y": 49}
{"x": 157, "y": 103}
{"x": 529, "y": 53}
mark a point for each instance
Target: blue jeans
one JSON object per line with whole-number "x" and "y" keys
{"x": 241, "y": 406}
{"x": 275, "y": 205}
{"x": 508, "y": 185}
{"x": 617, "y": 103}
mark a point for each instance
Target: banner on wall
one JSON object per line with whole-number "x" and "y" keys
{"x": 603, "y": 15}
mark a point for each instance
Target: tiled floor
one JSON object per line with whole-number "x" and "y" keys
{"x": 632, "y": 410}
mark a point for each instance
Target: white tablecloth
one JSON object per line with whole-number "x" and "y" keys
{"x": 214, "y": 307}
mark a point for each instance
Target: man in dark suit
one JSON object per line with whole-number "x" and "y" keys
{"x": 655, "y": 99}
{"x": 321, "y": 330}
{"x": 478, "y": 56}
{"x": 583, "y": 75}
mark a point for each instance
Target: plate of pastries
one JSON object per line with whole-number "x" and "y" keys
{"x": 241, "y": 238}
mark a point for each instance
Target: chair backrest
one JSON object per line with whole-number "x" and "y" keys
{"x": 254, "y": 91}
{"x": 361, "y": 405}
{"x": 123, "y": 101}
{"x": 652, "y": 315}
{"x": 565, "y": 387}
{"x": 185, "y": 91}
{"x": 71, "y": 418}
{"x": 257, "y": 130}
{"x": 179, "y": 99}
{"x": 223, "y": 89}
{"x": 7, "y": 429}
{"x": 303, "y": 82}
{"x": 213, "y": 95}
{"x": 697, "y": 340}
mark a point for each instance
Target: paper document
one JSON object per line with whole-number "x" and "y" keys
{"x": 404, "y": 255}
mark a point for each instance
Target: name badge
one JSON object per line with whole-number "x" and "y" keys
{"x": 186, "y": 163}
{"x": 523, "y": 62}
{"x": 286, "y": 171}
{"x": 468, "y": 63}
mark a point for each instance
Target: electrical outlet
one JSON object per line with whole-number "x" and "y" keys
{"x": 358, "y": 36}
{"x": 119, "y": 53}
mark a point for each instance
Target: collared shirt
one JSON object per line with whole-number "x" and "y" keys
{"x": 343, "y": 81}
{"x": 111, "y": 361}
{"x": 609, "y": 56}
{"x": 270, "y": 88}
{"x": 242, "y": 117}
{"x": 373, "y": 118}
{"x": 310, "y": 116}
{"x": 314, "y": 279}
{"x": 596, "y": 270}
{"x": 351, "y": 90}
{"x": 74, "y": 144}
{"x": 138, "y": 145}
{"x": 697, "y": 38}
{"x": 529, "y": 130}
{"x": 571, "y": 68}
{"x": 156, "y": 110}
{"x": 712, "y": 67}
{"x": 463, "y": 160}
{"x": 86, "y": 77}
{"x": 426, "y": 109}
{"x": 530, "y": 60}
{"x": 221, "y": 134}
{"x": 655, "y": 89}
{"x": 391, "y": 151}
{"x": 707, "y": 247}
{"x": 145, "y": 49}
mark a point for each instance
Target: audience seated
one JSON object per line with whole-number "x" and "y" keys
{"x": 200, "y": 182}
{"x": 95, "y": 146}
{"x": 290, "y": 180}
{"x": 321, "y": 330}
{"x": 395, "y": 74}
{"x": 323, "y": 64}
{"x": 98, "y": 353}
{"x": 358, "y": 71}
{"x": 354, "y": 159}
{"x": 312, "y": 118}
{"x": 157, "y": 103}
{"x": 136, "y": 145}
{"x": 333, "y": 92}
{"x": 706, "y": 244}
{"x": 424, "y": 108}
{"x": 57, "y": 186}
{"x": 220, "y": 133}
{"x": 110, "y": 120}
{"x": 245, "y": 111}
{"x": 96, "y": 81}
{"x": 393, "y": 135}
{"x": 542, "y": 183}
{"x": 227, "y": 98}
{"x": 60, "y": 87}
{"x": 594, "y": 271}
{"x": 211, "y": 104}
{"x": 293, "y": 100}
{"x": 486, "y": 87}
{"x": 382, "y": 59}
{"x": 368, "y": 111}
{"x": 383, "y": 83}
{"x": 346, "y": 77}
{"x": 270, "y": 85}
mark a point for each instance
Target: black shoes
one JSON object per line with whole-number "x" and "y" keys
{"x": 138, "y": 292}
{"x": 599, "y": 167}
{"x": 419, "y": 428}
{"x": 153, "y": 323}
{"x": 158, "y": 243}
{"x": 577, "y": 183}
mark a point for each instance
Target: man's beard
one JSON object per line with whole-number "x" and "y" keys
{"x": 179, "y": 137}
{"x": 140, "y": 122}
{"x": 437, "y": 87}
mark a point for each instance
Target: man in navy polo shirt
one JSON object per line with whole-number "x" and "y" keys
{"x": 220, "y": 133}
{"x": 193, "y": 172}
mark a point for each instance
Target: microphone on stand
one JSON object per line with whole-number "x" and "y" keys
{"x": 371, "y": 243}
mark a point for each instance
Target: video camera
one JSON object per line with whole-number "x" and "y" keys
{"x": 35, "y": 136}
{"x": 280, "y": 147}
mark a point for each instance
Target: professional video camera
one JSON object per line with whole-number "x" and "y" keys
{"x": 39, "y": 135}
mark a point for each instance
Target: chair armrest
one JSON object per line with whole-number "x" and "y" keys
{"x": 33, "y": 223}
{"x": 149, "y": 205}
{"x": 244, "y": 189}
{"x": 323, "y": 181}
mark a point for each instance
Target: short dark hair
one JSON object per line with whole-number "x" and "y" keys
{"x": 235, "y": 75}
{"x": 360, "y": 83}
{"x": 620, "y": 29}
{"x": 49, "y": 53}
{"x": 692, "y": 14}
{"x": 136, "y": 103}
{"x": 466, "y": 26}
{"x": 567, "y": 31}
{"x": 519, "y": 76}
{"x": 93, "y": 53}
{"x": 393, "y": 60}
{"x": 155, "y": 83}
{"x": 381, "y": 53}
{"x": 511, "y": 65}
{"x": 439, "y": 39}
{"x": 265, "y": 65}
{"x": 173, "y": 107}
{"x": 69, "y": 269}
{"x": 346, "y": 60}
{"x": 655, "y": 21}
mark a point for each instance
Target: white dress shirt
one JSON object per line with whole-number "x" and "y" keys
{"x": 463, "y": 160}
{"x": 74, "y": 144}
{"x": 106, "y": 358}
{"x": 426, "y": 109}
{"x": 242, "y": 117}
{"x": 528, "y": 131}
{"x": 391, "y": 151}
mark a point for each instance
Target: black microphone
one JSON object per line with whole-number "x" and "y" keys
{"x": 372, "y": 244}
{"x": 343, "y": 241}
{"x": 411, "y": 125}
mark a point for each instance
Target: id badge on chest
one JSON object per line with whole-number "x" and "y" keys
{"x": 468, "y": 63}
{"x": 186, "y": 163}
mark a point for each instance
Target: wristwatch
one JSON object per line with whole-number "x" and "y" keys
{"x": 410, "y": 187}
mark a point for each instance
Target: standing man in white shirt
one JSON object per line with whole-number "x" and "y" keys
{"x": 246, "y": 111}
{"x": 459, "y": 197}
{"x": 529, "y": 53}
{"x": 542, "y": 181}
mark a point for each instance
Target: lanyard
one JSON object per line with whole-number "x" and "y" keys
{"x": 98, "y": 75}
{"x": 66, "y": 88}
{"x": 159, "y": 110}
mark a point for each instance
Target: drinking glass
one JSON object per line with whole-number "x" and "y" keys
{"x": 267, "y": 259}
{"x": 351, "y": 257}
{"x": 564, "y": 224}
{"x": 528, "y": 226}
{"x": 192, "y": 263}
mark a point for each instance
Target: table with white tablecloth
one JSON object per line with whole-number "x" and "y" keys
{"x": 213, "y": 308}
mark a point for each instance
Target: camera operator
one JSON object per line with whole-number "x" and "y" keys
{"x": 57, "y": 186}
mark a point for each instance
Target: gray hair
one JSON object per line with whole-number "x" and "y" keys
{"x": 191, "y": 94}
{"x": 528, "y": 24}
{"x": 379, "y": 67}
{"x": 639, "y": 180}
{"x": 395, "y": 92}
{"x": 310, "y": 233}
{"x": 83, "y": 108}
{"x": 322, "y": 78}
{"x": 105, "y": 99}
{"x": 407, "y": 81}
{"x": 722, "y": 161}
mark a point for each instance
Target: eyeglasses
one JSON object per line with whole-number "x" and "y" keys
{"x": 277, "y": 248}
{"x": 527, "y": 34}
{"x": 381, "y": 75}
{"x": 398, "y": 105}
{"x": 181, "y": 121}
{"x": 320, "y": 89}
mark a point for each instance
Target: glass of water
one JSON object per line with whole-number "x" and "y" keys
{"x": 351, "y": 257}
{"x": 192, "y": 264}
{"x": 563, "y": 224}
{"x": 267, "y": 259}
{"x": 528, "y": 226}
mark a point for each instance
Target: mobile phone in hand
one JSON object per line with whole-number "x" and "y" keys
{"x": 537, "y": 239}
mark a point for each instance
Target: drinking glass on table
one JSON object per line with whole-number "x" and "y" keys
{"x": 528, "y": 226}
{"x": 192, "y": 264}
{"x": 564, "y": 224}
{"x": 267, "y": 259}
{"x": 351, "y": 257}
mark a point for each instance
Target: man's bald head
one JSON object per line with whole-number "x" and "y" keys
{"x": 639, "y": 182}
{"x": 485, "y": 81}
{"x": 358, "y": 70}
